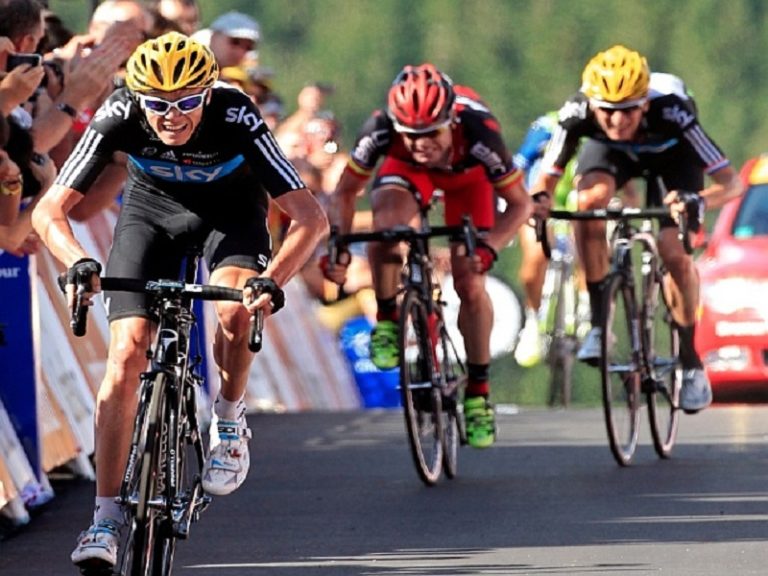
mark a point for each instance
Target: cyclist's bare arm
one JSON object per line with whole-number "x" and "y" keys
{"x": 51, "y": 223}
{"x": 519, "y": 206}
{"x": 105, "y": 189}
{"x": 308, "y": 225}
{"x": 726, "y": 186}
{"x": 344, "y": 198}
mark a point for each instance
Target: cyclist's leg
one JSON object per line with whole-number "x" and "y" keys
{"x": 600, "y": 170}
{"x": 472, "y": 194}
{"x": 533, "y": 268}
{"x": 395, "y": 197}
{"x": 138, "y": 251}
{"x": 234, "y": 255}
{"x": 682, "y": 172}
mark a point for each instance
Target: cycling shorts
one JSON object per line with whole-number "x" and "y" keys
{"x": 155, "y": 232}
{"x": 678, "y": 168}
{"x": 467, "y": 192}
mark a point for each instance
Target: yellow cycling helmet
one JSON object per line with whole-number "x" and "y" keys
{"x": 616, "y": 78}
{"x": 171, "y": 62}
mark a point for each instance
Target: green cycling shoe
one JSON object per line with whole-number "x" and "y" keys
{"x": 480, "y": 422}
{"x": 383, "y": 348}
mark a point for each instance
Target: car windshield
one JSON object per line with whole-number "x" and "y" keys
{"x": 752, "y": 219}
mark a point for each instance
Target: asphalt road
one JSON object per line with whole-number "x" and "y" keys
{"x": 336, "y": 494}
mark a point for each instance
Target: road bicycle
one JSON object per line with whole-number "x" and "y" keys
{"x": 431, "y": 371}
{"x": 640, "y": 344}
{"x": 560, "y": 314}
{"x": 161, "y": 491}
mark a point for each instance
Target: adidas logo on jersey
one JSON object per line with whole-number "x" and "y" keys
{"x": 169, "y": 155}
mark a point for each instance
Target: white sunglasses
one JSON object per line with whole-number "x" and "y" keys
{"x": 161, "y": 106}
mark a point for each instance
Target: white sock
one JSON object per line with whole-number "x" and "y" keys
{"x": 107, "y": 508}
{"x": 532, "y": 316}
{"x": 229, "y": 410}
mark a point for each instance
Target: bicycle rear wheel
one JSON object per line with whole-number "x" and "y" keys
{"x": 147, "y": 521}
{"x": 662, "y": 346}
{"x": 620, "y": 369}
{"x": 422, "y": 401}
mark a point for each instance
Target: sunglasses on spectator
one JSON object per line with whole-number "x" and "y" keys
{"x": 185, "y": 105}
{"x": 244, "y": 43}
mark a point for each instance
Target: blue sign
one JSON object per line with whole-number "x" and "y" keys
{"x": 17, "y": 355}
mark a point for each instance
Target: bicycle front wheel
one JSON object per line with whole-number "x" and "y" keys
{"x": 662, "y": 345}
{"x": 620, "y": 369}
{"x": 146, "y": 528}
{"x": 422, "y": 401}
{"x": 453, "y": 380}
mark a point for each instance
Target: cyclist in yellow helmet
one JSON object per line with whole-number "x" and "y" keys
{"x": 639, "y": 124}
{"x": 201, "y": 164}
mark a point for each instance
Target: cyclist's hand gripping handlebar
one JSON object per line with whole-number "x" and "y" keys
{"x": 80, "y": 275}
{"x": 334, "y": 264}
{"x": 259, "y": 286}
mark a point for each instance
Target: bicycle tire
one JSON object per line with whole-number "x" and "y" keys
{"x": 453, "y": 373}
{"x": 620, "y": 369}
{"x": 422, "y": 400}
{"x": 562, "y": 345}
{"x": 146, "y": 520}
{"x": 662, "y": 349}
{"x": 165, "y": 541}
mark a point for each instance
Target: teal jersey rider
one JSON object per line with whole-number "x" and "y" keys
{"x": 528, "y": 159}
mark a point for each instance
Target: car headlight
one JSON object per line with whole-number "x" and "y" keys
{"x": 727, "y": 359}
{"x": 729, "y": 295}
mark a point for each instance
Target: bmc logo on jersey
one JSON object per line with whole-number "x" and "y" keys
{"x": 113, "y": 109}
{"x": 489, "y": 157}
{"x": 243, "y": 115}
{"x": 677, "y": 115}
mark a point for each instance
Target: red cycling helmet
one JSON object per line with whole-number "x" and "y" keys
{"x": 421, "y": 99}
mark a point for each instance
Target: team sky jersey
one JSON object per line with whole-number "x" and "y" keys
{"x": 670, "y": 121}
{"x": 476, "y": 136}
{"x": 231, "y": 142}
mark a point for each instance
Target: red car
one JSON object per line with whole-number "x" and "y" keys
{"x": 732, "y": 334}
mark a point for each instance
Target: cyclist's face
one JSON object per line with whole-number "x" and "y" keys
{"x": 430, "y": 149}
{"x": 620, "y": 124}
{"x": 174, "y": 116}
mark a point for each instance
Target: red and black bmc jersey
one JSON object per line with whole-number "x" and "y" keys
{"x": 669, "y": 122}
{"x": 231, "y": 144}
{"x": 477, "y": 141}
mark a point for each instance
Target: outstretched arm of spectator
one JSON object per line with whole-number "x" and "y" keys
{"x": 10, "y": 188}
{"x": 88, "y": 76}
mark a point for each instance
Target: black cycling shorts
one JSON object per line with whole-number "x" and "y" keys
{"x": 155, "y": 231}
{"x": 677, "y": 168}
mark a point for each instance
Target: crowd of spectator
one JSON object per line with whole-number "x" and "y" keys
{"x": 46, "y": 104}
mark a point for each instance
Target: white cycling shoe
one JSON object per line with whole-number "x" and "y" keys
{"x": 227, "y": 465}
{"x": 696, "y": 391}
{"x": 590, "y": 349}
{"x": 97, "y": 546}
{"x": 528, "y": 349}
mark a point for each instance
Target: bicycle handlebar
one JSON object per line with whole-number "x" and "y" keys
{"x": 612, "y": 214}
{"x": 466, "y": 232}
{"x": 167, "y": 288}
